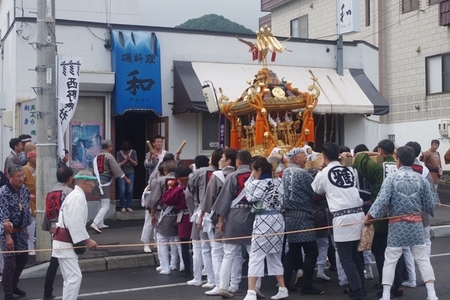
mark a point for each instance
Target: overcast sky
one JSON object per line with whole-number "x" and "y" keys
{"x": 170, "y": 13}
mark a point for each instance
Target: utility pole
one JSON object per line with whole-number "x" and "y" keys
{"x": 46, "y": 126}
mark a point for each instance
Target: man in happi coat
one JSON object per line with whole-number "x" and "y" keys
{"x": 405, "y": 195}
{"x": 375, "y": 173}
{"x": 227, "y": 164}
{"x": 298, "y": 203}
{"x": 166, "y": 223}
{"x": 70, "y": 230}
{"x": 106, "y": 169}
{"x": 235, "y": 218}
{"x": 16, "y": 216}
{"x": 339, "y": 184}
{"x": 196, "y": 191}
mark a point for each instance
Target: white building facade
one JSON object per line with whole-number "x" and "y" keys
{"x": 81, "y": 30}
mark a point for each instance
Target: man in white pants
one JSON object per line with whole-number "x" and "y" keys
{"x": 235, "y": 218}
{"x": 228, "y": 165}
{"x": 152, "y": 160}
{"x": 106, "y": 169}
{"x": 73, "y": 218}
{"x": 404, "y": 195}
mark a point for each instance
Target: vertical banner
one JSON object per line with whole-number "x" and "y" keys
{"x": 68, "y": 87}
{"x": 28, "y": 117}
{"x": 222, "y": 120}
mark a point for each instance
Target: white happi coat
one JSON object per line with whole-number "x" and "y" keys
{"x": 73, "y": 214}
{"x": 339, "y": 184}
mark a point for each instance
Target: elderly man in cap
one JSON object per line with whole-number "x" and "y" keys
{"x": 70, "y": 230}
{"x": 298, "y": 203}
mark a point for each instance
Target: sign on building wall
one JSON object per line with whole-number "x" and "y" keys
{"x": 348, "y": 16}
{"x": 69, "y": 68}
{"x": 28, "y": 118}
{"x": 136, "y": 63}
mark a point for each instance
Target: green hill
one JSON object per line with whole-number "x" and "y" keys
{"x": 214, "y": 23}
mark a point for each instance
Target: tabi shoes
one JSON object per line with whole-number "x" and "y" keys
{"x": 226, "y": 294}
{"x": 233, "y": 289}
{"x": 282, "y": 293}
{"x": 159, "y": 268}
{"x": 258, "y": 293}
{"x": 368, "y": 274}
{"x": 251, "y": 295}
{"x": 208, "y": 285}
{"x": 95, "y": 227}
{"x": 321, "y": 273}
{"x": 194, "y": 282}
{"x": 103, "y": 226}
{"x": 147, "y": 249}
{"x": 213, "y": 292}
{"x": 410, "y": 284}
{"x": 165, "y": 272}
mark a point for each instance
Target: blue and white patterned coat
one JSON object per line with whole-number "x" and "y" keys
{"x": 9, "y": 209}
{"x": 298, "y": 203}
{"x": 404, "y": 192}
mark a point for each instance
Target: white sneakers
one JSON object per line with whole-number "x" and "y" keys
{"x": 282, "y": 293}
{"x": 103, "y": 226}
{"x": 147, "y": 249}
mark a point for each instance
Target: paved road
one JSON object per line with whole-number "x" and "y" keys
{"x": 145, "y": 283}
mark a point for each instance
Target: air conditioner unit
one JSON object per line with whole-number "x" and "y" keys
{"x": 444, "y": 128}
{"x": 210, "y": 97}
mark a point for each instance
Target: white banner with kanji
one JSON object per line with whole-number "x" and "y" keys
{"x": 69, "y": 68}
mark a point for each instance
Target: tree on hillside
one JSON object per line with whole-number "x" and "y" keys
{"x": 214, "y": 22}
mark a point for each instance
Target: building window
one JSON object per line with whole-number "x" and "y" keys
{"x": 391, "y": 137}
{"x": 438, "y": 74}
{"x": 299, "y": 27}
{"x": 367, "y": 12}
{"x": 410, "y": 5}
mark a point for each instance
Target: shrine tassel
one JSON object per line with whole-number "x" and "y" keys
{"x": 274, "y": 55}
{"x": 259, "y": 134}
{"x": 233, "y": 139}
{"x": 310, "y": 137}
{"x": 255, "y": 54}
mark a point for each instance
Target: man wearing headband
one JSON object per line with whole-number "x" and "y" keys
{"x": 24, "y": 139}
{"x": 53, "y": 203}
{"x": 339, "y": 183}
{"x": 15, "y": 215}
{"x": 298, "y": 203}
{"x": 73, "y": 218}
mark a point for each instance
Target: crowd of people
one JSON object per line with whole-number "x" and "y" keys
{"x": 273, "y": 212}
{"x": 270, "y": 210}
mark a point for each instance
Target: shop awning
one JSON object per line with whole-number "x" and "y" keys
{"x": 352, "y": 93}
{"x": 188, "y": 94}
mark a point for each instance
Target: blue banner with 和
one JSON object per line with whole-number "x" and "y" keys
{"x": 136, "y": 62}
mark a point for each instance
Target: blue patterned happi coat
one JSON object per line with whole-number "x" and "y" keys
{"x": 20, "y": 218}
{"x": 402, "y": 193}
